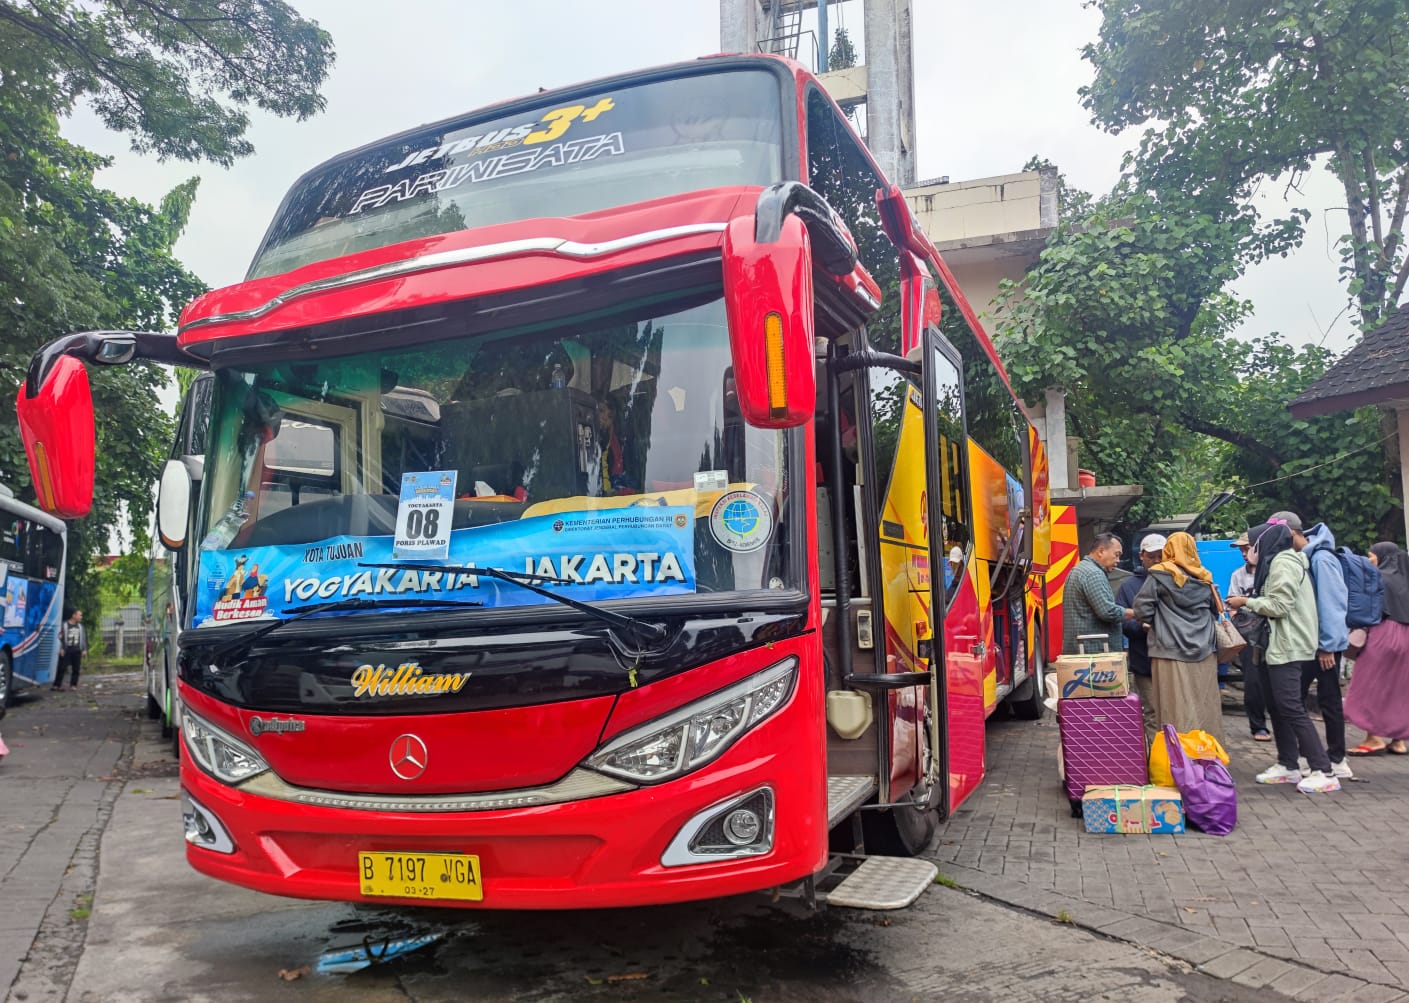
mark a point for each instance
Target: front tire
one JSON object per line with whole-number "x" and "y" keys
{"x": 899, "y": 832}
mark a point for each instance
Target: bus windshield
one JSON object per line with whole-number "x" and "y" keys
{"x": 623, "y": 145}
{"x": 605, "y": 455}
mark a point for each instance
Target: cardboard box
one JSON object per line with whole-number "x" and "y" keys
{"x": 1099, "y": 675}
{"x": 1127, "y": 809}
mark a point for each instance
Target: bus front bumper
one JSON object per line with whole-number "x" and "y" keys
{"x": 621, "y": 849}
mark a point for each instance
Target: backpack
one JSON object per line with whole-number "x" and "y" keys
{"x": 1364, "y": 589}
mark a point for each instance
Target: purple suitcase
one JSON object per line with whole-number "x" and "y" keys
{"x": 1103, "y": 742}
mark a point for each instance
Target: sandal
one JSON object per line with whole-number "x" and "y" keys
{"x": 1396, "y": 752}
{"x": 1369, "y": 750}
{"x": 1262, "y": 735}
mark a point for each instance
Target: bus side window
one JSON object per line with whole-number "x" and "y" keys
{"x": 948, "y": 428}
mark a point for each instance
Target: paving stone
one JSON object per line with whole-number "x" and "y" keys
{"x": 1333, "y": 987}
{"x": 1253, "y": 889}
{"x": 1230, "y": 964}
{"x": 1263, "y": 973}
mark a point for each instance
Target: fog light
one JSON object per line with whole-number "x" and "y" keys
{"x": 203, "y": 829}
{"x": 741, "y": 827}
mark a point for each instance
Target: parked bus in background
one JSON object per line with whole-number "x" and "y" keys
{"x": 609, "y": 498}
{"x": 32, "y": 551}
{"x": 168, "y": 568}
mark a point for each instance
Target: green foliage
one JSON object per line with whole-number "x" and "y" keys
{"x": 1126, "y": 311}
{"x": 1236, "y": 94}
{"x": 842, "y": 55}
{"x": 176, "y": 76}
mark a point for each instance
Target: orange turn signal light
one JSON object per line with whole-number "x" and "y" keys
{"x": 773, "y": 353}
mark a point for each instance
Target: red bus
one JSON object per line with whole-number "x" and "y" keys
{"x": 607, "y": 498}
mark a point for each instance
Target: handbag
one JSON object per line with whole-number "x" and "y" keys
{"x": 1210, "y": 798}
{"x": 1227, "y": 639}
{"x": 1254, "y": 627}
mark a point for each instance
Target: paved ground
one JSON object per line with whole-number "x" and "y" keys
{"x": 97, "y": 904}
{"x": 1308, "y": 894}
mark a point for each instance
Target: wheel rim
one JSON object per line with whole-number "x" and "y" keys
{"x": 4, "y": 679}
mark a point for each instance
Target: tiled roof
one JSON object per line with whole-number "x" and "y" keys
{"x": 1374, "y": 371}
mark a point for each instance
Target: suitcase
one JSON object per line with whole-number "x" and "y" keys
{"x": 1103, "y": 743}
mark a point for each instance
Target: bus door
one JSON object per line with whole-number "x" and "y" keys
{"x": 957, "y": 591}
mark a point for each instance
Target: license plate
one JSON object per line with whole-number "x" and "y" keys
{"x": 421, "y": 875}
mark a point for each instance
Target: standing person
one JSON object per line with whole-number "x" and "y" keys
{"x": 1088, "y": 604}
{"x": 1332, "y": 636}
{"x": 74, "y": 638}
{"x": 1177, "y": 603}
{"x": 1378, "y": 700}
{"x": 1282, "y": 593}
{"x": 1254, "y": 699}
{"x": 1136, "y": 637}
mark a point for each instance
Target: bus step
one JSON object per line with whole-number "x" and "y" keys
{"x": 845, "y": 794}
{"x": 882, "y": 883}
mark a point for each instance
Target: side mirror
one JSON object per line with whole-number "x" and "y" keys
{"x": 174, "y": 504}
{"x": 56, "y": 423}
{"x": 768, "y": 299}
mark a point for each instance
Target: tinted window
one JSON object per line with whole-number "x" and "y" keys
{"x": 561, "y": 158}
{"x": 994, "y": 420}
{"x": 839, "y": 171}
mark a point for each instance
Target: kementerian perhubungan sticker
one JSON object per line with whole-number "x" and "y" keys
{"x": 742, "y": 521}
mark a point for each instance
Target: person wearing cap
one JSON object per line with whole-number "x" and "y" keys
{"x": 1088, "y": 604}
{"x": 1177, "y": 603}
{"x": 1254, "y": 698}
{"x": 1136, "y": 637}
{"x": 1318, "y": 544}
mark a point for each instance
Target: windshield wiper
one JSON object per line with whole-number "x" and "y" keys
{"x": 640, "y": 628}
{"x": 299, "y": 612}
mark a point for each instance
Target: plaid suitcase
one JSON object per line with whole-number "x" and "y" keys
{"x": 1103, "y": 742}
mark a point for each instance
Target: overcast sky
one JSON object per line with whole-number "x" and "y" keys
{"x": 995, "y": 83}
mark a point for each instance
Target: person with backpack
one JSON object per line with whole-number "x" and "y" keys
{"x": 1378, "y": 699}
{"x": 73, "y": 638}
{"x": 1283, "y": 594}
{"x": 1328, "y": 584}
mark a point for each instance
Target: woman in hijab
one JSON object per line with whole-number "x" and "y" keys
{"x": 1282, "y": 592}
{"x": 1176, "y": 605}
{"x": 1378, "y": 700}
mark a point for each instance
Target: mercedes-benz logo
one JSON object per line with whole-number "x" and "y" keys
{"x": 408, "y": 757}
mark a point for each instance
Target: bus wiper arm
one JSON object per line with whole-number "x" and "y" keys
{"x": 299, "y": 612}
{"x": 640, "y": 628}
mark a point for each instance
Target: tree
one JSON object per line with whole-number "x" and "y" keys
{"x": 842, "y": 55}
{"x": 1126, "y": 310}
{"x": 176, "y": 76}
{"x": 1236, "y": 94}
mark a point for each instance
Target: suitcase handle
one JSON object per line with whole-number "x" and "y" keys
{"x": 1081, "y": 640}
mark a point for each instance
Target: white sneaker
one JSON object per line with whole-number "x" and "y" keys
{"x": 1342, "y": 771}
{"x": 1317, "y": 782}
{"x": 1278, "y": 774}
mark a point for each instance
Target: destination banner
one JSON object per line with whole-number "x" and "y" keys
{"x": 620, "y": 553}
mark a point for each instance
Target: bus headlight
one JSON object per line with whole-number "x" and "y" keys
{"x": 697, "y": 733}
{"x": 219, "y": 753}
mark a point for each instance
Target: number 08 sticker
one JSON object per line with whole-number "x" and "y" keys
{"x": 424, "y": 514}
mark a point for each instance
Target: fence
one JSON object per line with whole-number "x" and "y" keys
{"x": 123, "y": 633}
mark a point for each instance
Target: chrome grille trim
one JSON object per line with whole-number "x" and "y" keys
{"x": 460, "y": 256}
{"x": 579, "y": 785}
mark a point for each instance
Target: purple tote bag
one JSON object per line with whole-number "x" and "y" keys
{"x": 1210, "y": 798}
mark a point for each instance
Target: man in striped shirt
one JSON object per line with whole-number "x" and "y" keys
{"x": 1088, "y": 604}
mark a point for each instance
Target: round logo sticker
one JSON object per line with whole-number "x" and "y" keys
{"x": 741, "y": 521}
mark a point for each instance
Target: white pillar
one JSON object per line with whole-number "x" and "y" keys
{"x": 1058, "y": 476}
{"x": 890, "y": 88}
{"x": 741, "y": 24}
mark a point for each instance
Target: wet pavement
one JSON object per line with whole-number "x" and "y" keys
{"x": 125, "y": 918}
{"x": 1309, "y": 894}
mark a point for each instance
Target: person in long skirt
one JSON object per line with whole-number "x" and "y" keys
{"x": 1378, "y": 700}
{"x": 1177, "y": 604}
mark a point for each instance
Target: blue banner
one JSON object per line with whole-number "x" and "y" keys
{"x": 619, "y": 553}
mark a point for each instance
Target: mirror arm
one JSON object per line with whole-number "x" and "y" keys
{"x": 880, "y": 360}
{"x": 834, "y": 249}
{"x": 88, "y": 346}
